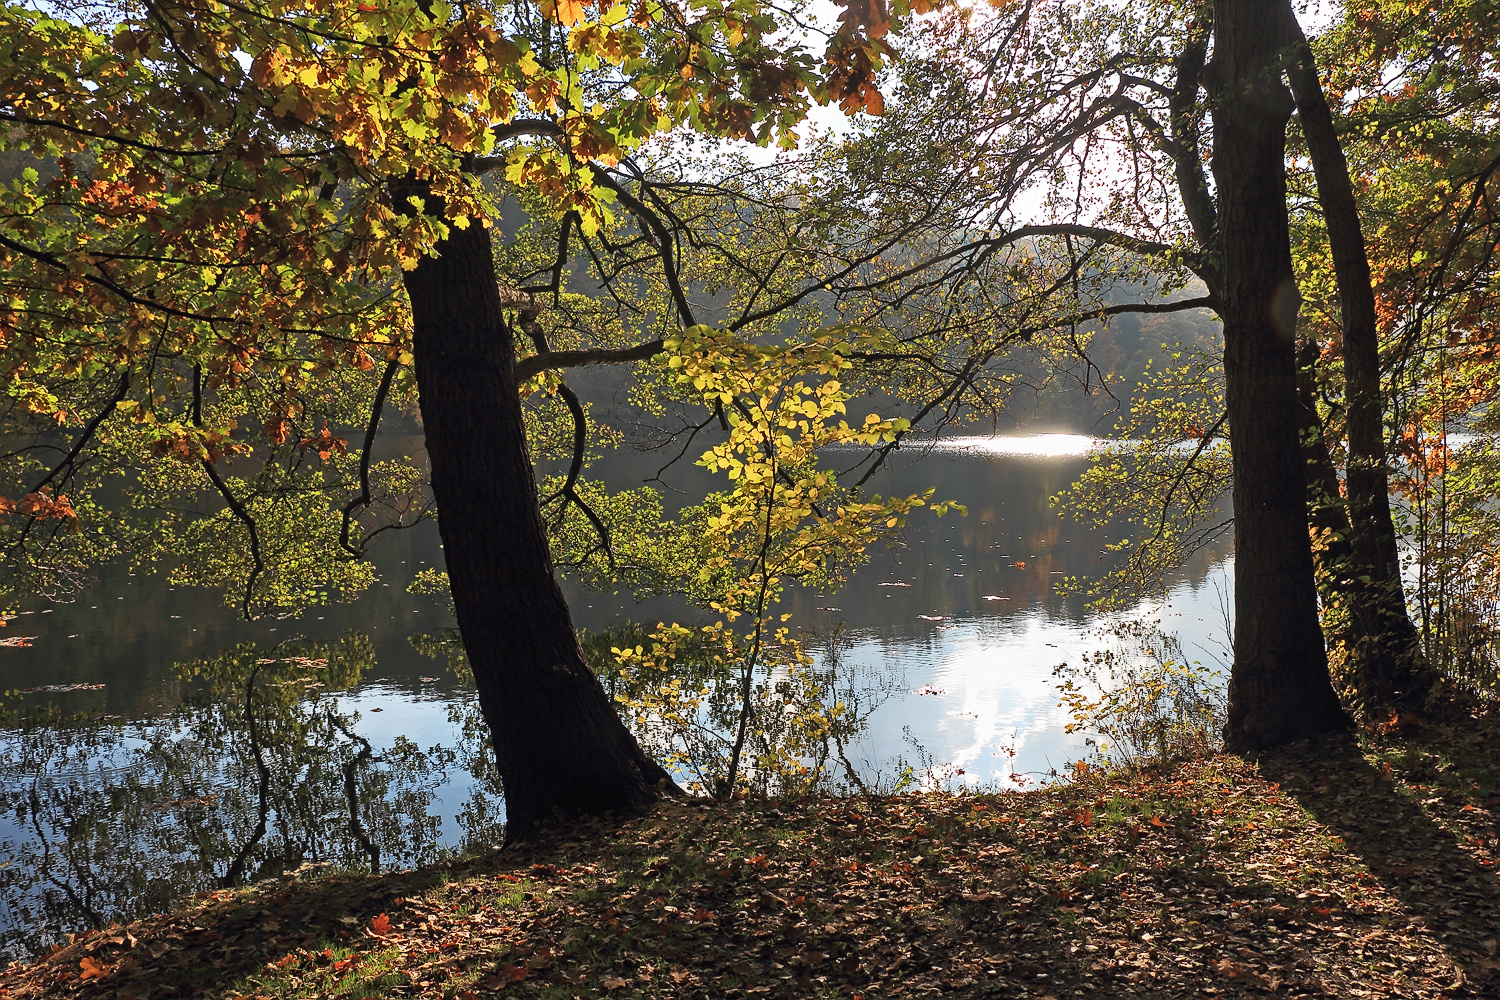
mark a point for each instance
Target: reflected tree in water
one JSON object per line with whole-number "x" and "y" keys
{"x": 260, "y": 771}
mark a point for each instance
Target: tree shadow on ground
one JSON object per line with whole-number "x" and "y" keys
{"x": 1416, "y": 808}
{"x": 220, "y": 938}
{"x": 1196, "y": 881}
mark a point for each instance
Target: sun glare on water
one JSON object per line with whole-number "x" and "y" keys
{"x": 1025, "y": 446}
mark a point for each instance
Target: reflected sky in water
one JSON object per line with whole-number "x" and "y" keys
{"x": 952, "y": 637}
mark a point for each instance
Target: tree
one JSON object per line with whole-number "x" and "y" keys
{"x": 1381, "y": 665}
{"x": 233, "y": 192}
{"x": 1279, "y": 688}
{"x": 1412, "y": 100}
{"x": 558, "y": 743}
{"x": 1135, "y": 81}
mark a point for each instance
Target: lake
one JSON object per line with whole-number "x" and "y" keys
{"x": 148, "y": 780}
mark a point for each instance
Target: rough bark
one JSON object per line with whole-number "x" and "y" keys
{"x": 560, "y": 748}
{"x": 1279, "y": 689}
{"x": 1381, "y": 665}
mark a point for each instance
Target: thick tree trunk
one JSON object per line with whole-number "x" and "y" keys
{"x": 1279, "y": 688}
{"x": 1382, "y": 664}
{"x": 560, "y": 748}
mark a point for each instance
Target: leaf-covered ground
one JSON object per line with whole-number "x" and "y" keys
{"x": 1330, "y": 870}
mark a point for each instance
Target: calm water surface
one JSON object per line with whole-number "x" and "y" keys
{"x": 153, "y": 783}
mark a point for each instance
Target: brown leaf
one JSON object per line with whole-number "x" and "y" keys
{"x": 615, "y": 983}
{"x": 92, "y": 968}
{"x": 380, "y": 926}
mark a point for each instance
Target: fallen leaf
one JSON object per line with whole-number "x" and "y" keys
{"x": 380, "y": 926}
{"x": 1227, "y": 968}
{"x": 92, "y": 968}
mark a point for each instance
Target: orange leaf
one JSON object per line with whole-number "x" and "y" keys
{"x": 92, "y": 968}
{"x": 870, "y": 15}
{"x": 1227, "y": 968}
{"x": 563, "y": 11}
{"x": 381, "y": 925}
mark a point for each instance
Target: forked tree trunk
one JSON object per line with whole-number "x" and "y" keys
{"x": 1381, "y": 664}
{"x": 1279, "y": 688}
{"x": 560, "y": 747}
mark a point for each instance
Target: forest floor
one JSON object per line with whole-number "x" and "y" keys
{"x": 1340, "y": 869}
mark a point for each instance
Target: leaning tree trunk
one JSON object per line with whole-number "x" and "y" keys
{"x": 1382, "y": 665}
{"x": 560, "y": 748}
{"x": 1279, "y": 688}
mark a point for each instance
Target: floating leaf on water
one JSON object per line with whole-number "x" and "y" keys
{"x": 51, "y": 688}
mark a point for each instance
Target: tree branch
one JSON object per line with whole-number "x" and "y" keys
{"x": 363, "y": 499}
{"x": 551, "y": 360}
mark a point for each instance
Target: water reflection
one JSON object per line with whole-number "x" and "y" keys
{"x": 118, "y": 799}
{"x": 1024, "y": 446}
{"x": 261, "y": 769}
{"x": 980, "y": 708}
